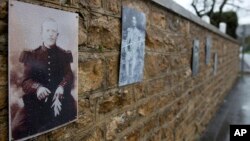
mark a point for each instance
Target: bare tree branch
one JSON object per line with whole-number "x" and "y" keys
{"x": 222, "y": 6}
{"x": 205, "y": 10}
{"x": 211, "y": 11}
{"x": 208, "y": 9}
{"x": 195, "y": 8}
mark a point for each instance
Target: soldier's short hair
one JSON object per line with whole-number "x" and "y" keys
{"x": 49, "y": 20}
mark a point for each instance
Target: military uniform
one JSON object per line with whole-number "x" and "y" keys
{"x": 49, "y": 68}
{"x": 134, "y": 51}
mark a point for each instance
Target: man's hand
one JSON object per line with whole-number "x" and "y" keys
{"x": 42, "y": 93}
{"x": 56, "y": 102}
{"x": 58, "y": 93}
{"x": 57, "y": 107}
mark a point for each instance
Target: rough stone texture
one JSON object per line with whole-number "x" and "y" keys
{"x": 104, "y": 32}
{"x": 3, "y": 27}
{"x": 112, "y": 71}
{"x": 3, "y": 97}
{"x": 3, "y": 70}
{"x": 114, "y": 6}
{"x": 82, "y": 35}
{"x": 169, "y": 104}
{"x": 3, "y": 9}
{"x": 92, "y": 75}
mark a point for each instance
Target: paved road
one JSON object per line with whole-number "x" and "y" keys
{"x": 234, "y": 110}
{"x": 246, "y": 62}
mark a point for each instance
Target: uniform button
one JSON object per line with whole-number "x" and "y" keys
{"x": 49, "y": 74}
{"x": 49, "y": 69}
{"x": 48, "y": 56}
{"x": 49, "y": 80}
{"x": 48, "y": 62}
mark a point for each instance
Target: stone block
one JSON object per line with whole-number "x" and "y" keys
{"x": 167, "y": 133}
{"x": 114, "y": 101}
{"x": 166, "y": 99}
{"x": 175, "y": 62}
{"x": 3, "y": 70}
{"x": 59, "y": 134}
{"x": 156, "y": 86}
{"x": 3, "y": 41}
{"x": 118, "y": 123}
{"x": 112, "y": 65}
{"x": 155, "y": 39}
{"x": 156, "y": 136}
{"x": 96, "y": 135}
{"x": 166, "y": 116}
{"x": 178, "y": 25}
{"x": 93, "y": 134}
{"x": 86, "y": 115}
{"x": 170, "y": 112}
{"x": 4, "y": 132}
{"x": 180, "y": 133}
{"x": 112, "y": 127}
{"x": 3, "y": 27}
{"x": 158, "y": 18}
{"x": 164, "y": 63}
{"x": 148, "y": 107}
{"x": 150, "y": 125}
{"x": 3, "y": 97}
{"x": 150, "y": 66}
{"x": 108, "y": 104}
{"x": 3, "y": 9}
{"x": 91, "y": 75}
{"x": 140, "y": 91}
{"x": 95, "y": 3}
{"x": 104, "y": 33}
{"x": 171, "y": 44}
{"x": 196, "y": 30}
{"x": 114, "y": 6}
{"x": 128, "y": 96}
{"x": 132, "y": 136}
{"x": 180, "y": 117}
{"x": 82, "y": 33}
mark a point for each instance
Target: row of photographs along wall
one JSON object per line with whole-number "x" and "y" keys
{"x": 133, "y": 45}
{"x": 43, "y": 65}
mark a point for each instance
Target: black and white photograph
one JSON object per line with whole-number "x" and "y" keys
{"x": 43, "y": 65}
{"x": 195, "y": 57}
{"x": 132, "y": 47}
{"x": 208, "y": 49}
{"x": 215, "y": 63}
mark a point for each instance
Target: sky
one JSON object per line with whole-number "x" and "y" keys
{"x": 243, "y": 15}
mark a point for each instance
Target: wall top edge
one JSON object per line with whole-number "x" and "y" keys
{"x": 176, "y": 8}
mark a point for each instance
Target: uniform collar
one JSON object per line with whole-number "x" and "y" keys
{"x": 47, "y": 48}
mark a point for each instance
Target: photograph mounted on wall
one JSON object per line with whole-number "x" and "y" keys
{"x": 195, "y": 60}
{"x": 208, "y": 49}
{"x": 43, "y": 65}
{"x": 132, "y": 47}
{"x": 215, "y": 63}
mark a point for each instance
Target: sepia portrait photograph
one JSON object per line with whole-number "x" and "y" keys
{"x": 208, "y": 49}
{"x": 195, "y": 57}
{"x": 132, "y": 47}
{"x": 43, "y": 62}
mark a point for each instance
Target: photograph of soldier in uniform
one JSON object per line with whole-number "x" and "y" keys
{"x": 215, "y": 63}
{"x": 42, "y": 69}
{"x": 195, "y": 61}
{"x": 208, "y": 49}
{"x": 133, "y": 45}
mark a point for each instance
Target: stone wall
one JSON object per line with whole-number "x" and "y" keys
{"x": 169, "y": 104}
